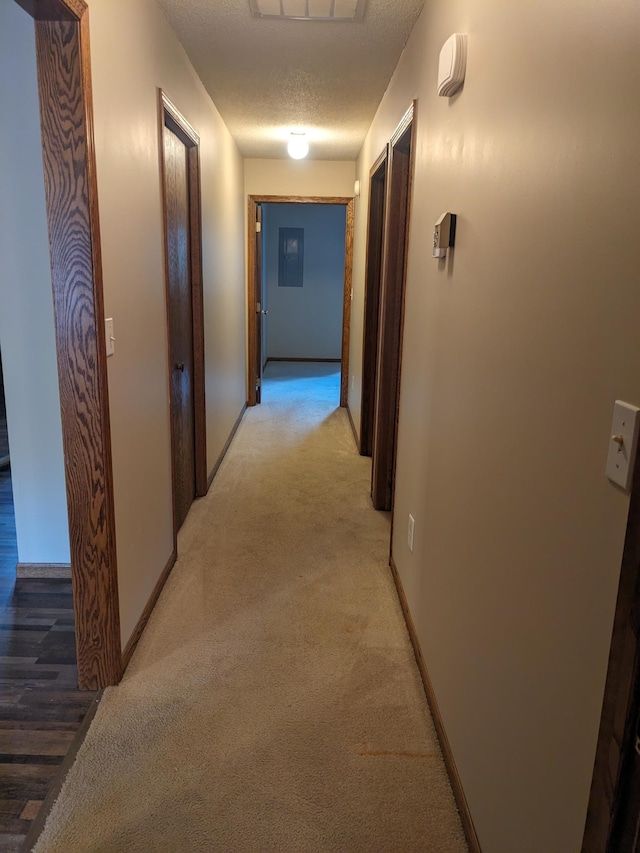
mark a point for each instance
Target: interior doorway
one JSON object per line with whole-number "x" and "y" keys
{"x": 391, "y": 311}
{"x": 302, "y": 252}
{"x": 180, "y": 165}
{"x": 255, "y": 288}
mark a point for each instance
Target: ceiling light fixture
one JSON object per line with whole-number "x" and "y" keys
{"x": 298, "y": 146}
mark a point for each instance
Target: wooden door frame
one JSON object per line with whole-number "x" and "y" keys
{"x": 621, "y": 703}
{"x": 66, "y": 116}
{"x": 389, "y": 367}
{"x": 258, "y": 250}
{"x": 349, "y": 204}
{"x": 378, "y": 175}
{"x": 171, "y": 117}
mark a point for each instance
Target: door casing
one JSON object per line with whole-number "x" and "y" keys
{"x": 258, "y": 290}
{"x": 66, "y": 117}
{"x": 170, "y": 117}
{"x": 391, "y": 318}
{"x": 615, "y": 749}
{"x": 373, "y": 281}
{"x": 253, "y": 282}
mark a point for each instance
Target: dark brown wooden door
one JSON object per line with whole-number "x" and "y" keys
{"x": 396, "y": 239}
{"x": 625, "y": 836}
{"x": 258, "y": 300}
{"x": 180, "y": 323}
{"x": 373, "y": 277}
{"x": 613, "y": 816}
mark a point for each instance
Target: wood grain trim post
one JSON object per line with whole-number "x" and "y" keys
{"x": 170, "y": 116}
{"x": 346, "y": 303}
{"x": 619, "y": 711}
{"x": 443, "y": 740}
{"x": 64, "y": 79}
{"x": 252, "y": 201}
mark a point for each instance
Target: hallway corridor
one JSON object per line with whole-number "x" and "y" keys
{"x": 273, "y": 702}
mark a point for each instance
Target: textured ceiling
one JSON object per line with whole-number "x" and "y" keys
{"x": 268, "y": 77}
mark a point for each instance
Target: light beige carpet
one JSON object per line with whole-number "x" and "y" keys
{"x": 273, "y": 702}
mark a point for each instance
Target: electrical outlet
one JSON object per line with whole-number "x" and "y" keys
{"x": 410, "y": 529}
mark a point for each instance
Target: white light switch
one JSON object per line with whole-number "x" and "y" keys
{"x": 111, "y": 341}
{"x": 622, "y": 444}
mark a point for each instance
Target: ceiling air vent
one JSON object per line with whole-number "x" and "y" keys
{"x": 309, "y": 10}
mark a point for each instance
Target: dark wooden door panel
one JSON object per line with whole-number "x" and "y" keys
{"x": 391, "y": 320}
{"x": 613, "y": 814}
{"x": 257, "y": 290}
{"x": 180, "y": 322}
{"x": 373, "y": 277}
{"x": 625, "y": 835}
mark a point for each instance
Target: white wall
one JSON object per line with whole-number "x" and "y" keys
{"x": 26, "y": 305}
{"x": 299, "y": 177}
{"x": 306, "y": 322}
{"x": 134, "y": 51}
{"x": 514, "y": 352}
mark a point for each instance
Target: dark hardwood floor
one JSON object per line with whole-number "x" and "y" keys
{"x": 41, "y": 708}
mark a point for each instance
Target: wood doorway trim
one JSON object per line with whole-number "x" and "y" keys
{"x": 66, "y": 116}
{"x": 171, "y": 117}
{"x": 373, "y": 280}
{"x": 616, "y": 752}
{"x": 391, "y": 324}
{"x": 254, "y": 200}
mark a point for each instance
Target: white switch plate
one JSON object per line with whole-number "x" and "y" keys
{"x": 410, "y": 529}
{"x": 108, "y": 329}
{"x": 622, "y": 444}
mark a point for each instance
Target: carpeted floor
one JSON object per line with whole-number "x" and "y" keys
{"x": 273, "y": 702}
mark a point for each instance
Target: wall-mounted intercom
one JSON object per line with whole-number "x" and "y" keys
{"x": 444, "y": 235}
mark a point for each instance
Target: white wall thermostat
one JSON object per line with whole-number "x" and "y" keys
{"x": 453, "y": 65}
{"x": 444, "y": 235}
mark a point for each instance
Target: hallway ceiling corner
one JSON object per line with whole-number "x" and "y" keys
{"x": 268, "y": 76}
